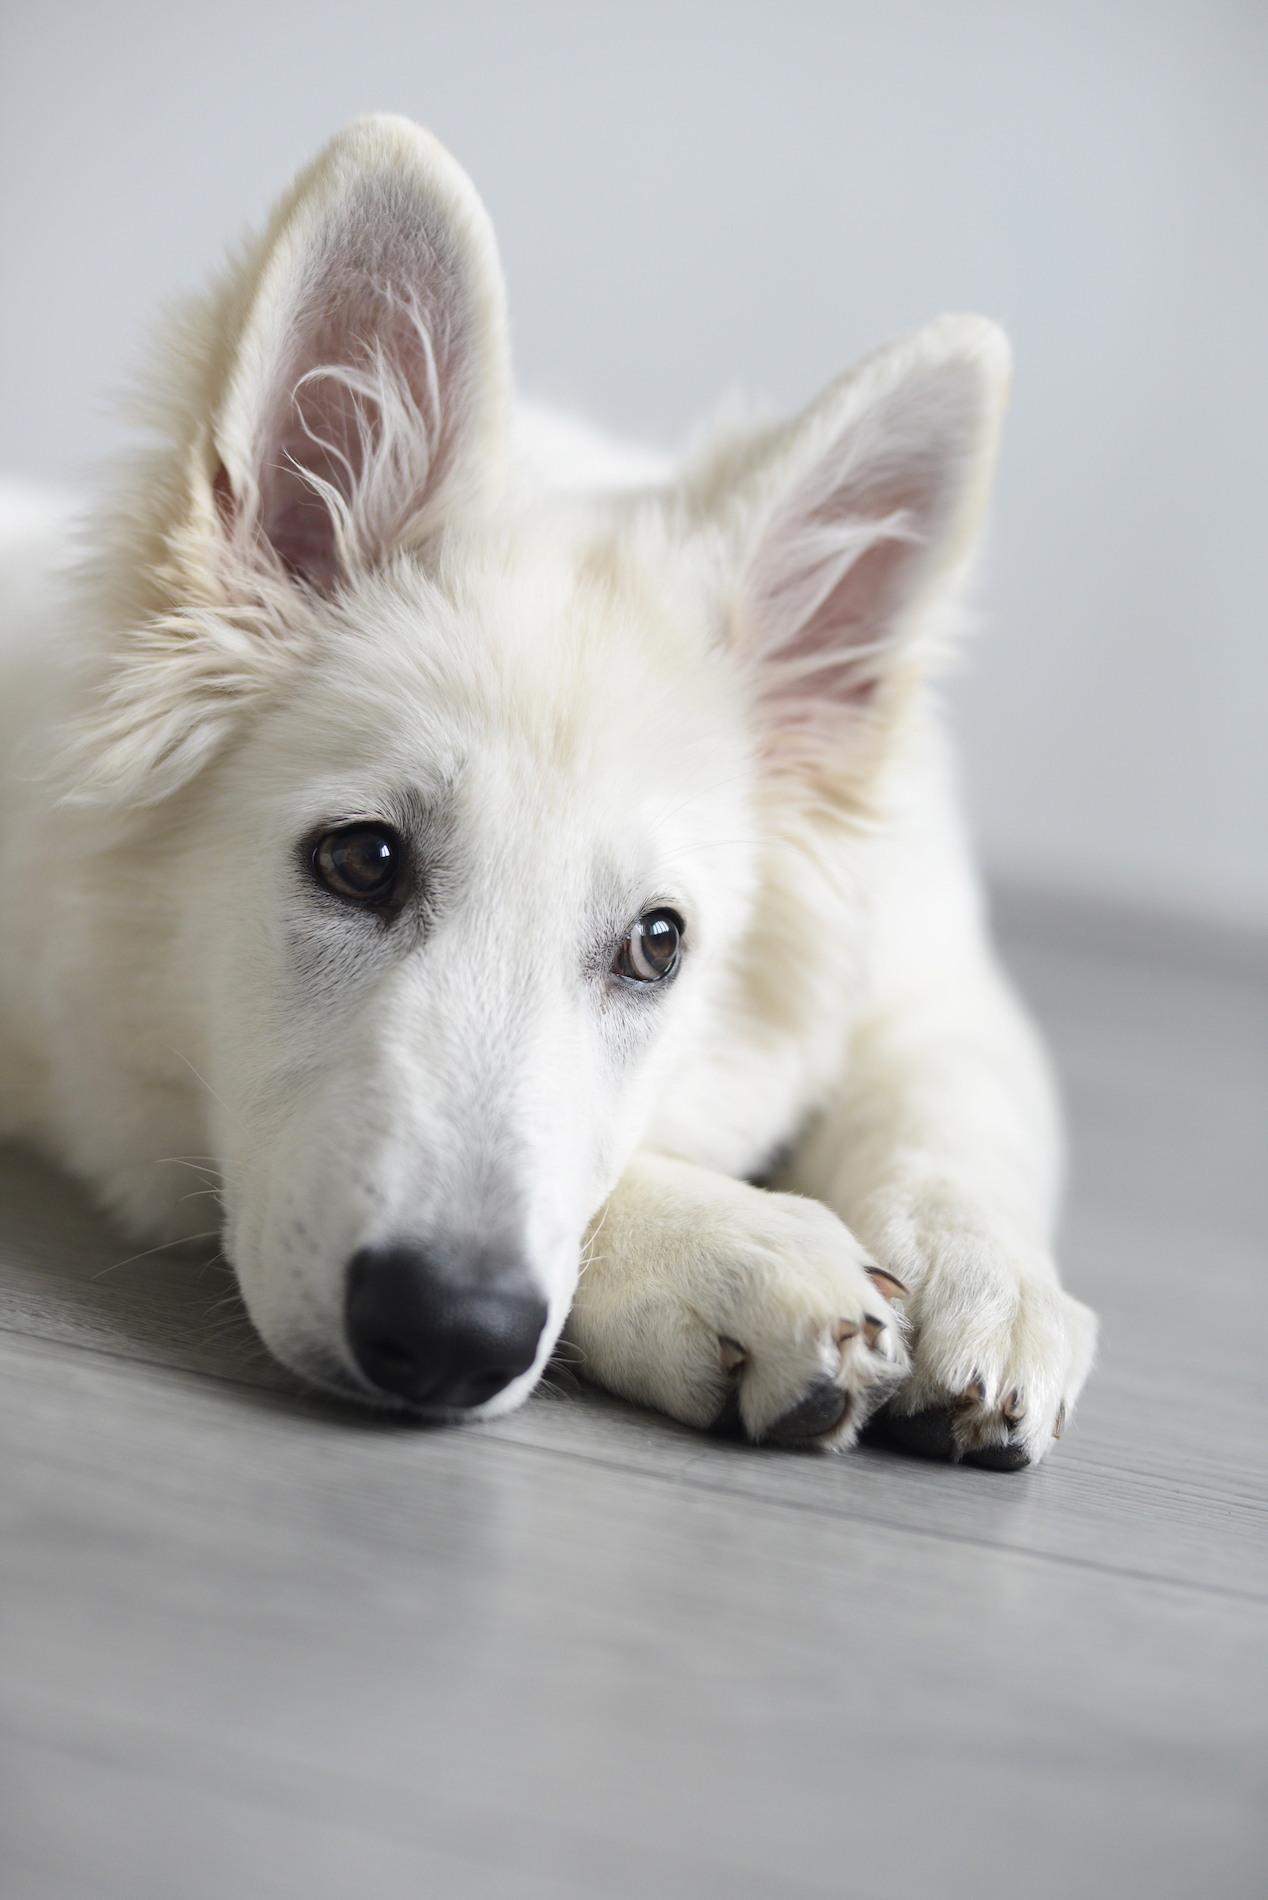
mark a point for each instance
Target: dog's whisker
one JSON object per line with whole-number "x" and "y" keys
{"x": 207, "y": 1169}
{"x": 665, "y": 814}
{"x": 207, "y": 1085}
{"x": 588, "y": 1254}
{"x": 182, "y": 1240}
{"x": 753, "y": 841}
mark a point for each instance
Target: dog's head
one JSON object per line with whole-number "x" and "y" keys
{"x": 472, "y": 795}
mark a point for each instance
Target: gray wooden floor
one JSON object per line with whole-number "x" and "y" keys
{"x": 258, "y": 1647}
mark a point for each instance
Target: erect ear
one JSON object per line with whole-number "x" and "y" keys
{"x": 855, "y": 520}
{"x": 366, "y": 394}
{"x": 342, "y": 394}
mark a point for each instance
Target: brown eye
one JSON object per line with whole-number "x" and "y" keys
{"x": 359, "y": 863}
{"x": 650, "y": 952}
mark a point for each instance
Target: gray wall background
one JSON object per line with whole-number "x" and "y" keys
{"x": 696, "y": 198}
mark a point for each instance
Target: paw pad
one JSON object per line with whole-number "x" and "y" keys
{"x": 824, "y": 1408}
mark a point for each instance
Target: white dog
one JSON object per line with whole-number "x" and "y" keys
{"x": 492, "y": 851}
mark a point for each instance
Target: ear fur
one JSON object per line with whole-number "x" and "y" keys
{"x": 368, "y": 399}
{"x": 849, "y": 526}
{"x": 343, "y": 393}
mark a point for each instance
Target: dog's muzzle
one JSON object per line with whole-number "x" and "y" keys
{"x": 440, "y": 1331}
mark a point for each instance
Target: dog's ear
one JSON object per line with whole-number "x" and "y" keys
{"x": 366, "y": 386}
{"x": 343, "y": 394}
{"x": 847, "y": 526}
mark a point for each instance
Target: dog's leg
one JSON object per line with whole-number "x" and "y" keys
{"x": 941, "y": 1151}
{"x": 730, "y": 1307}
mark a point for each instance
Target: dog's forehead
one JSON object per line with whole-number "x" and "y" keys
{"x": 543, "y": 685}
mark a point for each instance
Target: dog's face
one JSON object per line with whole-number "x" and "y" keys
{"x": 473, "y": 791}
{"x": 467, "y": 886}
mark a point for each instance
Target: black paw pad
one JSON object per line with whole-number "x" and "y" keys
{"x": 999, "y": 1457}
{"x": 926, "y": 1434}
{"x": 929, "y": 1435}
{"x": 823, "y": 1407}
{"x": 728, "y": 1423}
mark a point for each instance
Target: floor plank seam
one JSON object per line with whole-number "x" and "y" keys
{"x": 282, "y": 1399}
{"x": 819, "y": 1510}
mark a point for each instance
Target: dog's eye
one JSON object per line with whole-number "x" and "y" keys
{"x": 650, "y": 952}
{"x": 359, "y": 862}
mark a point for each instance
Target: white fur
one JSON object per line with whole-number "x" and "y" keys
{"x": 583, "y": 683}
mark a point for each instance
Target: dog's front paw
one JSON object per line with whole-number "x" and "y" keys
{"x": 734, "y": 1309}
{"x": 999, "y": 1355}
{"x": 804, "y": 1330}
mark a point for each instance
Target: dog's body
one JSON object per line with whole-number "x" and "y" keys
{"x": 486, "y": 850}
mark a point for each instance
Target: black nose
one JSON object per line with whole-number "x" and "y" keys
{"x": 441, "y": 1329}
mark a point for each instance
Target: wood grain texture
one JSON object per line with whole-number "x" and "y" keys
{"x": 259, "y": 1645}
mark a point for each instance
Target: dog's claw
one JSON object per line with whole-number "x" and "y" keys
{"x": 1015, "y": 1405}
{"x": 973, "y": 1393}
{"x": 731, "y": 1354}
{"x": 1059, "y": 1427}
{"x": 887, "y": 1283}
{"x": 872, "y": 1328}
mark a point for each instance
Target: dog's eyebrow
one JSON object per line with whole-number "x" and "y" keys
{"x": 416, "y": 810}
{"x": 618, "y": 898}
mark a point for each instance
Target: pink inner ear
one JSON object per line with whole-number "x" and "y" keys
{"x": 832, "y": 577}
{"x": 363, "y": 435}
{"x": 364, "y": 408}
{"x": 365, "y": 425}
{"x": 835, "y": 653}
{"x": 845, "y": 555}
{"x": 322, "y": 438}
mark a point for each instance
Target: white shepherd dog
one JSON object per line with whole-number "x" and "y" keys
{"x": 495, "y": 850}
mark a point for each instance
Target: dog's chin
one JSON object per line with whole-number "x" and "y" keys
{"x": 321, "y": 1371}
